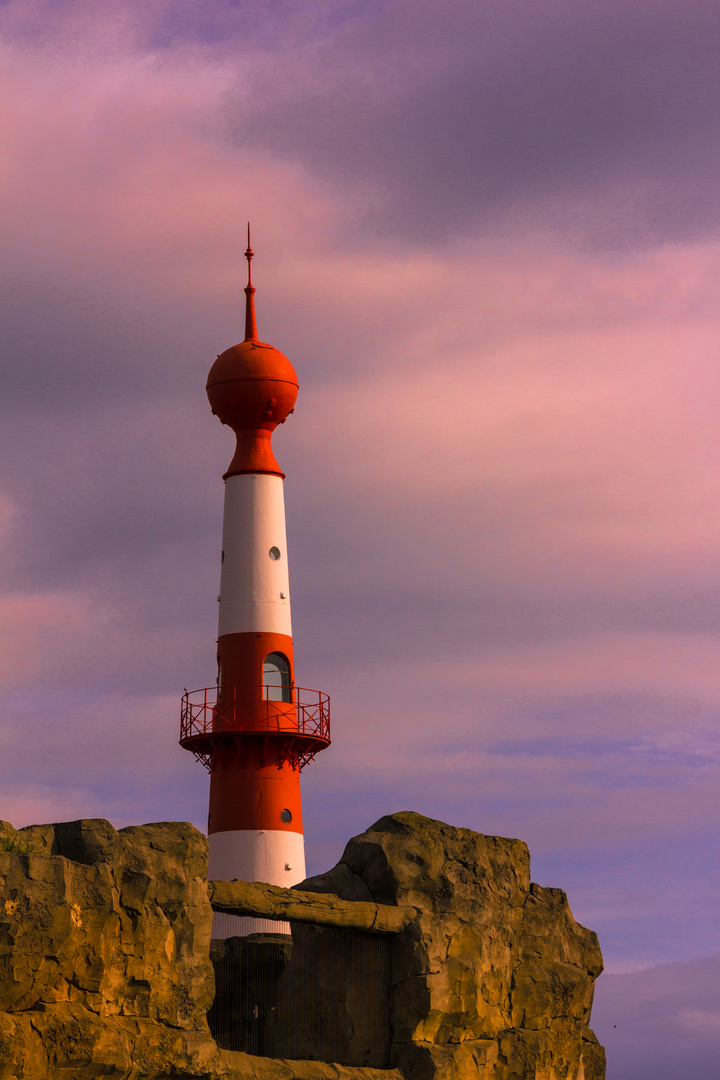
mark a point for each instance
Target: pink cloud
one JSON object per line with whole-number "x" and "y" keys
{"x": 132, "y": 139}
{"x": 35, "y": 627}
{"x": 620, "y": 661}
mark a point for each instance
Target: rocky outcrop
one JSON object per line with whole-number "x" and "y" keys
{"x": 105, "y": 960}
{"x": 492, "y": 978}
{"x": 104, "y": 950}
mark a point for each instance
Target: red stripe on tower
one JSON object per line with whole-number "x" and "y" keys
{"x": 257, "y": 729}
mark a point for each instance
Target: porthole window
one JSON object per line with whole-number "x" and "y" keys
{"x": 276, "y": 678}
{"x": 274, "y": 553}
{"x": 285, "y": 816}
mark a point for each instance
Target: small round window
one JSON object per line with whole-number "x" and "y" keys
{"x": 285, "y": 816}
{"x": 274, "y": 553}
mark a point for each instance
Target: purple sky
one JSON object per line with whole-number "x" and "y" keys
{"x": 487, "y": 235}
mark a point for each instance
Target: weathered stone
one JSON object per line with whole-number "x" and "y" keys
{"x": 105, "y": 968}
{"x": 104, "y": 950}
{"x": 492, "y": 977}
{"x": 333, "y": 997}
{"x": 321, "y": 909}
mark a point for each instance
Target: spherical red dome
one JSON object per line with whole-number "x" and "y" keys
{"x": 252, "y": 386}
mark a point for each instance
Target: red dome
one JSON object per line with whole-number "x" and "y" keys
{"x": 252, "y": 388}
{"x": 252, "y": 385}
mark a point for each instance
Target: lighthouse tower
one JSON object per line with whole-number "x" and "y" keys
{"x": 256, "y": 729}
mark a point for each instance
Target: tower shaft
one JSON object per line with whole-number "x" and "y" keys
{"x": 255, "y": 820}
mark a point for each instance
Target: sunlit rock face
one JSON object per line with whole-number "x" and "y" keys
{"x": 493, "y": 978}
{"x": 104, "y": 953}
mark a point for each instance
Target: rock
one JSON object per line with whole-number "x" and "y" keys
{"x": 104, "y": 950}
{"x": 105, "y": 961}
{"x": 332, "y": 999}
{"x": 320, "y": 909}
{"x": 493, "y": 977}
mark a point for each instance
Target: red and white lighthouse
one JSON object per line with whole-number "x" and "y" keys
{"x": 256, "y": 730}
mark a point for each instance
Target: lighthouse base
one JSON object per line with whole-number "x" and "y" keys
{"x": 276, "y": 857}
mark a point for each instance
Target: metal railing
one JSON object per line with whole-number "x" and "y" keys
{"x": 209, "y": 714}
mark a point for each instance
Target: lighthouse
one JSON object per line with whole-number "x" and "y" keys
{"x": 256, "y": 729}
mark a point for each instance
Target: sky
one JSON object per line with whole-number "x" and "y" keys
{"x": 487, "y": 235}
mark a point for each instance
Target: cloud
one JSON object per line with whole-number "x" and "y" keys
{"x": 611, "y": 662}
{"x": 594, "y": 123}
{"x": 100, "y": 754}
{"x": 592, "y": 120}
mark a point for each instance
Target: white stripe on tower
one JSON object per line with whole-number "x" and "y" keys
{"x": 254, "y": 580}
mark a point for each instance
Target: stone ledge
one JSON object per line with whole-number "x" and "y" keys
{"x": 253, "y": 898}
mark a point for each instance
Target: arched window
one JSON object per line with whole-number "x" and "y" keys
{"x": 276, "y": 678}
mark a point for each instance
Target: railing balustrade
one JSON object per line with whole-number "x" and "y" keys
{"x": 211, "y": 713}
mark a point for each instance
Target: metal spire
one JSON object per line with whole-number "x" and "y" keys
{"x": 250, "y": 325}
